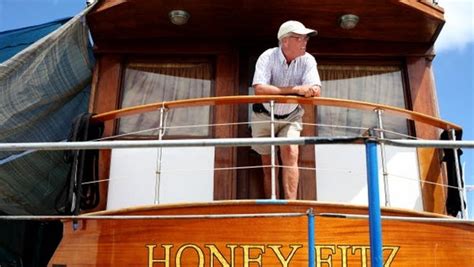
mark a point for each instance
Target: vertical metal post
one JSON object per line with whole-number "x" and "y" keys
{"x": 311, "y": 239}
{"x": 161, "y": 132}
{"x": 383, "y": 158}
{"x": 458, "y": 176}
{"x": 272, "y": 135}
{"x": 463, "y": 177}
{"x": 375, "y": 221}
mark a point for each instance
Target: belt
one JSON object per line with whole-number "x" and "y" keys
{"x": 260, "y": 108}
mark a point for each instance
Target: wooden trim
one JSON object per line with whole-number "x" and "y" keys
{"x": 363, "y": 48}
{"x": 225, "y": 157}
{"x": 105, "y": 98}
{"x": 424, "y": 6}
{"x": 429, "y": 159}
{"x": 307, "y": 178}
{"x": 107, "y": 92}
{"x": 431, "y": 5}
{"x": 321, "y": 101}
{"x": 407, "y": 97}
{"x": 94, "y": 86}
{"x": 321, "y": 46}
{"x": 164, "y": 47}
{"x": 434, "y": 191}
{"x": 430, "y": 9}
{"x": 106, "y": 5}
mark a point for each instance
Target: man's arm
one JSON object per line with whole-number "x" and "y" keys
{"x": 301, "y": 90}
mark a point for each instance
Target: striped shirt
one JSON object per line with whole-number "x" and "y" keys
{"x": 272, "y": 69}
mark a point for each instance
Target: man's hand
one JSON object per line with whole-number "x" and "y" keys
{"x": 316, "y": 90}
{"x": 309, "y": 91}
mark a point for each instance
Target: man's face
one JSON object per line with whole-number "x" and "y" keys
{"x": 295, "y": 45}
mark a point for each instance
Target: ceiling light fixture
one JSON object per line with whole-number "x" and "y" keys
{"x": 179, "y": 17}
{"x": 348, "y": 21}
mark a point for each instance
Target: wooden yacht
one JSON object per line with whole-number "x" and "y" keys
{"x": 181, "y": 71}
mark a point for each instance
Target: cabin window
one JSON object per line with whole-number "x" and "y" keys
{"x": 151, "y": 82}
{"x": 369, "y": 83}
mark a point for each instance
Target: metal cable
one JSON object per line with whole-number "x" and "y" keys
{"x": 150, "y": 217}
{"x": 396, "y": 218}
{"x": 300, "y": 168}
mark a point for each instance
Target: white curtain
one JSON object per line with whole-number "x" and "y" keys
{"x": 146, "y": 83}
{"x": 376, "y": 84}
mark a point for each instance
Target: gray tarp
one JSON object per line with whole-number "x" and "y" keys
{"x": 41, "y": 90}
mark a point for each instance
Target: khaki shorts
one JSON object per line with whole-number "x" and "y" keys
{"x": 288, "y": 127}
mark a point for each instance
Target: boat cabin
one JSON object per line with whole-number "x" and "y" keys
{"x": 377, "y": 51}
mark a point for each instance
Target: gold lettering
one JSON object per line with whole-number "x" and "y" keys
{"x": 247, "y": 255}
{"x": 166, "y": 260}
{"x": 363, "y": 253}
{"x": 344, "y": 255}
{"x": 196, "y": 248}
{"x": 319, "y": 254}
{"x": 391, "y": 257}
{"x": 215, "y": 253}
{"x": 285, "y": 262}
{"x": 253, "y": 254}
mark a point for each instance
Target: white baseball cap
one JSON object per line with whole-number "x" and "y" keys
{"x": 295, "y": 27}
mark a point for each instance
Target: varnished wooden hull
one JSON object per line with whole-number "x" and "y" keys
{"x": 259, "y": 241}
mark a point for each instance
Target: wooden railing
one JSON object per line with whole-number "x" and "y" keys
{"x": 316, "y": 101}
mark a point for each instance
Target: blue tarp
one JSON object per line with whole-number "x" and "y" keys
{"x": 42, "y": 88}
{"x": 13, "y": 41}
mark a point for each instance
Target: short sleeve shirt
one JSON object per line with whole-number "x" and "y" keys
{"x": 272, "y": 69}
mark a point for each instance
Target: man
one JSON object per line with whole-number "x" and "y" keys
{"x": 284, "y": 70}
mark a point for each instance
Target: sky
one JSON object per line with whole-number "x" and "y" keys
{"x": 453, "y": 65}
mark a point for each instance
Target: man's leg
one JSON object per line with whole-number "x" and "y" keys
{"x": 289, "y": 158}
{"x": 263, "y": 130}
{"x": 267, "y": 176}
{"x": 289, "y": 154}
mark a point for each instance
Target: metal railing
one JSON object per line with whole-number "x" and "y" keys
{"x": 371, "y": 143}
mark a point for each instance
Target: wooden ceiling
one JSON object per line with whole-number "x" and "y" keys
{"x": 410, "y": 21}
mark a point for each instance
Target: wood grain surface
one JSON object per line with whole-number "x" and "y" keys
{"x": 277, "y": 241}
{"x": 318, "y": 101}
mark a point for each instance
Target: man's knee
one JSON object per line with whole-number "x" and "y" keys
{"x": 289, "y": 154}
{"x": 266, "y": 159}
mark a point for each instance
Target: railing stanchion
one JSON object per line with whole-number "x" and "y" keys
{"x": 375, "y": 221}
{"x": 272, "y": 135}
{"x": 458, "y": 177}
{"x": 161, "y": 132}
{"x": 311, "y": 238}
{"x": 383, "y": 158}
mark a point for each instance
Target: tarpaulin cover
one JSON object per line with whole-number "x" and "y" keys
{"x": 42, "y": 88}
{"x": 12, "y": 42}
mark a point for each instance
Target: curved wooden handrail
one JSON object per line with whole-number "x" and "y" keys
{"x": 317, "y": 101}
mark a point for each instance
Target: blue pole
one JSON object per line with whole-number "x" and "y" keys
{"x": 375, "y": 221}
{"x": 311, "y": 256}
